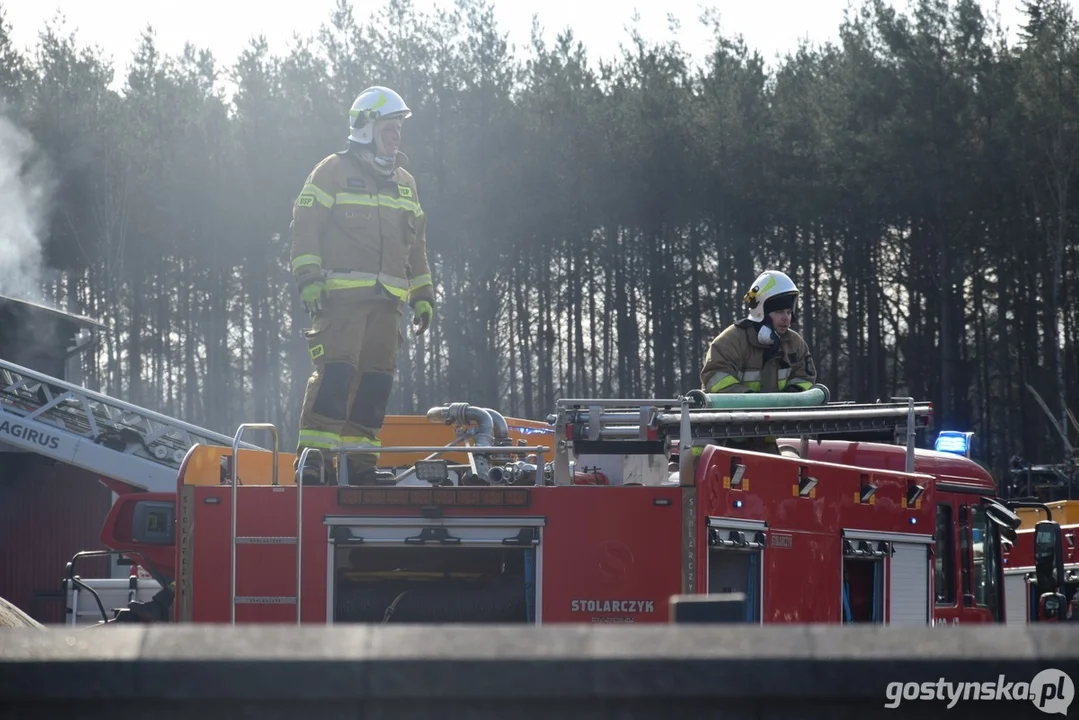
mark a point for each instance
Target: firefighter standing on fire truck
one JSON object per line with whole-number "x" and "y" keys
{"x": 761, "y": 353}
{"x": 359, "y": 255}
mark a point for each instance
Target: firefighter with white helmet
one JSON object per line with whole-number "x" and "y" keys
{"x": 761, "y": 353}
{"x": 359, "y": 255}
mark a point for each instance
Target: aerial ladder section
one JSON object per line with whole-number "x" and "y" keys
{"x": 45, "y": 415}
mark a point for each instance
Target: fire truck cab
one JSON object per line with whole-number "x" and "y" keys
{"x": 641, "y": 501}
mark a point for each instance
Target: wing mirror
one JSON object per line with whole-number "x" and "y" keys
{"x": 1049, "y": 556}
{"x": 1006, "y": 521}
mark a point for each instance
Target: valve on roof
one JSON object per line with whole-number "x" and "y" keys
{"x": 486, "y": 426}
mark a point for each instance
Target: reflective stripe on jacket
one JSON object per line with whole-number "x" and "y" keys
{"x": 362, "y": 234}
{"x": 736, "y": 363}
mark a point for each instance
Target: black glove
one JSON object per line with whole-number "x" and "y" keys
{"x": 795, "y": 388}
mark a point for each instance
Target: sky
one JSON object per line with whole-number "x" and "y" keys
{"x": 226, "y": 26}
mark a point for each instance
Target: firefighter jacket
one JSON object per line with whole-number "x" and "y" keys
{"x": 738, "y": 362}
{"x": 361, "y": 234}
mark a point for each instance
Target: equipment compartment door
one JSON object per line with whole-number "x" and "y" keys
{"x": 611, "y": 554}
{"x": 1016, "y": 598}
{"x": 886, "y": 578}
{"x": 863, "y": 587}
{"x": 437, "y": 570}
{"x": 909, "y": 584}
{"x": 736, "y": 561}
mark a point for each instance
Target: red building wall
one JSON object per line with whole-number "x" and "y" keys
{"x": 48, "y": 512}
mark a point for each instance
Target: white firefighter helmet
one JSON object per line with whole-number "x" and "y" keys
{"x": 770, "y": 285}
{"x": 374, "y": 103}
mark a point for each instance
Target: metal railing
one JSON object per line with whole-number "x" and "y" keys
{"x": 627, "y": 420}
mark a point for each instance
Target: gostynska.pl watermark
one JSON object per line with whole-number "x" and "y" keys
{"x": 1051, "y": 691}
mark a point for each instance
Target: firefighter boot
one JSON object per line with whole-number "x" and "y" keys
{"x": 364, "y": 476}
{"x": 362, "y": 471}
{"x": 312, "y": 473}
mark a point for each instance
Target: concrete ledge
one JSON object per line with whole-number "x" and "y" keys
{"x": 522, "y": 672}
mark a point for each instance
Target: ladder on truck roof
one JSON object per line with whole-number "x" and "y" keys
{"x": 658, "y": 426}
{"x": 45, "y": 415}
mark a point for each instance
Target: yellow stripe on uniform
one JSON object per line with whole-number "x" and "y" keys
{"x": 323, "y": 197}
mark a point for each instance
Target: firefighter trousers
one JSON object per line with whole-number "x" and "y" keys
{"x": 354, "y": 346}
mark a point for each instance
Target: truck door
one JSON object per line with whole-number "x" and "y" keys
{"x": 946, "y": 563}
{"x": 985, "y": 555}
{"x": 969, "y": 581}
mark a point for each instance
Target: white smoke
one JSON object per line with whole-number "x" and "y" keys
{"x": 25, "y": 191}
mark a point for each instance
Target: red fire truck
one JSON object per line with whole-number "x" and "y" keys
{"x": 484, "y": 528}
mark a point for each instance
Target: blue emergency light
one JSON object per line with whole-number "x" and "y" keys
{"x": 954, "y": 441}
